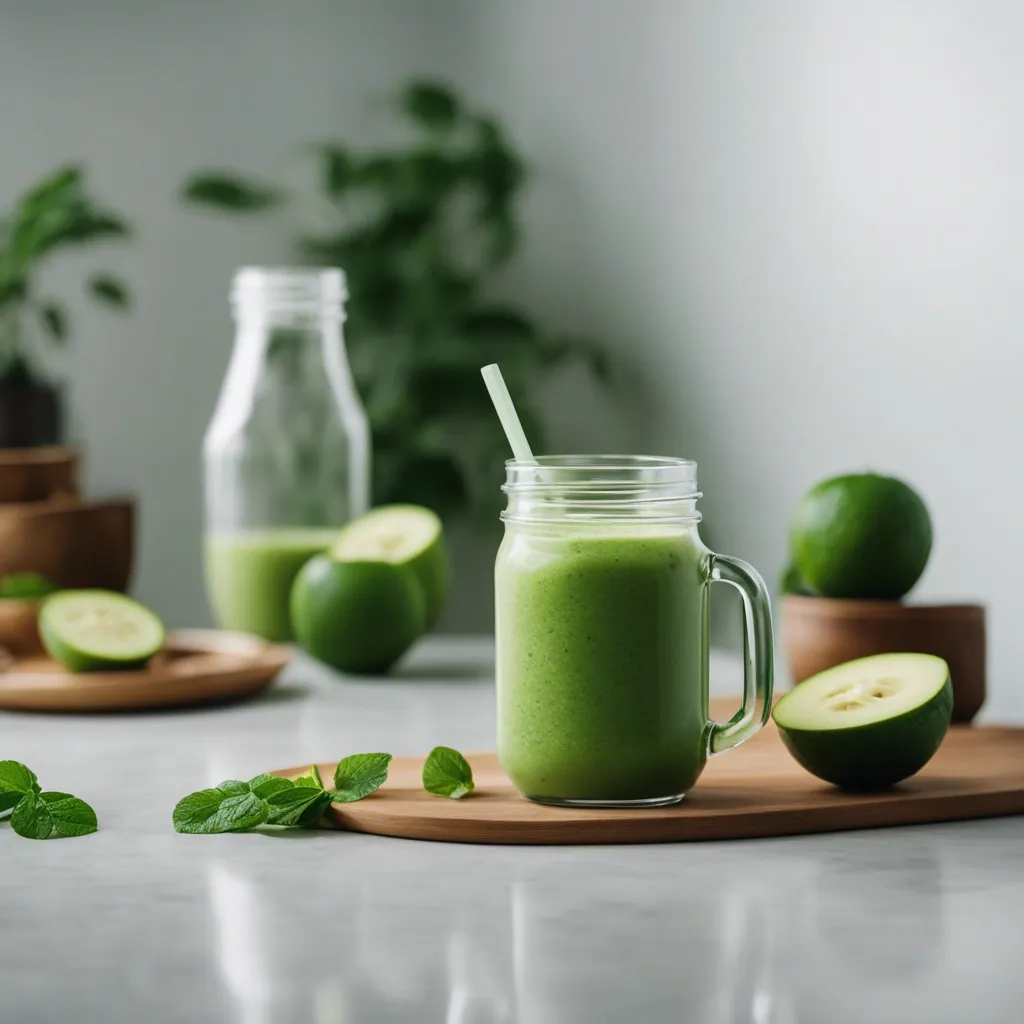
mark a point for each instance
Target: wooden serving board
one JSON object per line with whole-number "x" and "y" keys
{"x": 195, "y": 667}
{"x": 755, "y": 791}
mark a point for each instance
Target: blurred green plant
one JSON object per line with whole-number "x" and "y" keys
{"x": 57, "y": 213}
{"x": 422, "y": 230}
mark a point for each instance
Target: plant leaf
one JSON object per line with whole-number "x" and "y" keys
{"x": 265, "y": 786}
{"x": 211, "y": 811}
{"x": 54, "y": 320}
{"x": 25, "y": 586}
{"x": 70, "y": 815}
{"x": 359, "y": 775}
{"x": 300, "y": 806}
{"x": 31, "y": 818}
{"x": 447, "y": 773}
{"x": 110, "y": 290}
{"x": 230, "y": 192}
{"x": 339, "y": 169}
{"x": 15, "y": 781}
{"x": 233, "y": 787}
{"x": 312, "y": 779}
{"x": 431, "y": 104}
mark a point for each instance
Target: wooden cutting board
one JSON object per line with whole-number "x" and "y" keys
{"x": 756, "y": 790}
{"x": 195, "y": 667}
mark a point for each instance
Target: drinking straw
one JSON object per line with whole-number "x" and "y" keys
{"x": 506, "y": 411}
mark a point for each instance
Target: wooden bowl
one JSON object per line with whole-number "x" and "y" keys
{"x": 819, "y": 632}
{"x": 72, "y": 543}
{"x": 37, "y": 474}
{"x": 19, "y": 631}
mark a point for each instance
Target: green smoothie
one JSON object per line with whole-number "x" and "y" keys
{"x": 601, "y": 660}
{"x": 249, "y": 576}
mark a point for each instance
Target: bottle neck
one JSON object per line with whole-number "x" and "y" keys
{"x": 307, "y": 302}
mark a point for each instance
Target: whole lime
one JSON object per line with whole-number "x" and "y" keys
{"x": 358, "y": 617}
{"x": 861, "y": 536}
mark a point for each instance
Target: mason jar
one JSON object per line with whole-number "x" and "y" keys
{"x": 287, "y": 454}
{"x": 602, "y": 598}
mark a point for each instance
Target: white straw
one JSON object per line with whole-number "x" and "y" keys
{"x": 507, "y": 413}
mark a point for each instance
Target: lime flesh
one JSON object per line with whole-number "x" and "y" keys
{"x": 95, "y": 630}
{"x": 408, "y": 535}
{"x": 870, "y": 723}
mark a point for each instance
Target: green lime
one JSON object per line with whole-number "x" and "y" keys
{"x": 95, "y": 630}
{"x": 861, "y": 536}
{"x": 868, "y": 724}
{"x": 357, "y": 616}
{"x": 407, "y": 535}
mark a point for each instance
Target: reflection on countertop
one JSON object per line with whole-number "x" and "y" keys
{"x": 900, "y": 925}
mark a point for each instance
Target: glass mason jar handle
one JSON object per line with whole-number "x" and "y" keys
{"x": 758, "y": 656}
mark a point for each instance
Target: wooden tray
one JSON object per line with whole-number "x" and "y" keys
{"x": 195, "y": 667}
{"x": 755, "y": 791}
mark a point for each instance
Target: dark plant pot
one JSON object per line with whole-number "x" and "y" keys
{"x": 31, "y": 414}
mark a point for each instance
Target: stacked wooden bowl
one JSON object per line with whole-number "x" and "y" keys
{"x": 47, "y": 528}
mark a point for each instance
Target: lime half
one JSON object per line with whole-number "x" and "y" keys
{"x": 94, "y": 630}
{"x": 407, "y": 535}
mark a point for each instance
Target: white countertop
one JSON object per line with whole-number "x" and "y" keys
{"x": 139, "y": 924}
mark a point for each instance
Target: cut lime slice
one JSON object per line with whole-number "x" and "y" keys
{"x": 407, "y": 535}
{"x": 93, "y": 630}
{"x": 869, "y": 723}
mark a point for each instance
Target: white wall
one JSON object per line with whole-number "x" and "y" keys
{"x": 796, "y": 223}
{"x": 801, "y": 222}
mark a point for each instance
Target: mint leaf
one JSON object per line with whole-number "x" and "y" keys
{"x": 70, "y": 816}
{"x": 15, "y": 781}
{"x": 312, "y": 779}
{"x": 31, "y": 818}
{"x": 447, "y": 773}
{"x": 233, "y": 787}
{"x": 213, "y": 810}
{"x": 359, "y": 775}
{"x": 265, "y": 786}
{"x": 25, "y": 586}
{"x": 301, "y": 805}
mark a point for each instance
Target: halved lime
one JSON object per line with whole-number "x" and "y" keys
{"x": 95, "y": 630}
{"x": 357, "y": 616}
{"x": 868, "y": 724}
{"x": 407, "y": 535}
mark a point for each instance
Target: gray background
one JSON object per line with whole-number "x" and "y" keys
{"x": 796, "y": 224}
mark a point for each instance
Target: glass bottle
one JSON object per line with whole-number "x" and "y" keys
{"x": 287, "y": 453}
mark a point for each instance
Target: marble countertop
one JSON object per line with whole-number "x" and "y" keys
{"x": 138, "y": 924}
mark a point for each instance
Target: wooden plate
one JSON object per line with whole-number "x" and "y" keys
{"x": 195, "y": 667}
{"x": 756, "y": 790}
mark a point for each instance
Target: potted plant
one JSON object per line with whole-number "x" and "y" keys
{"x": 421, "y": 230}
{"x": 54, "y": 215}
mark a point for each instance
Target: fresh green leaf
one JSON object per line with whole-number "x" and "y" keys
{"x": 110, "y": 290}
{"x": 26, "y": 586}
{"x": 233, "y": 787}
{"x": 312, "y": 779}
{"x": 301, "y": 806}
{"x": 54, "y": 320}
{"x": 432, "y": 105}
{"x": 70, "y": 816}
{"x": 31, "y": 817}
{"x": 359, "y": 775}
{"x": 265, "y": 786}
{"x": 230, "y": 192}
{"x": 447, "y": 773}
{"x": 15, "y": 782}
{"x": 339, "y": 169}
{"x": 211, "y": 811}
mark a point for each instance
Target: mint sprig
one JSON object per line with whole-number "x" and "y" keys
{"x": 39, "y": 815}
{"x": 359, "y": 775}
{"x": 236, "y": 806}
{"x": 447, "y": 773}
